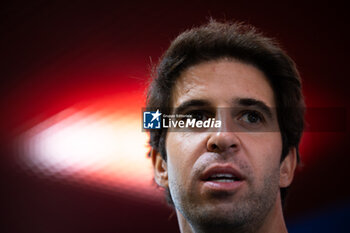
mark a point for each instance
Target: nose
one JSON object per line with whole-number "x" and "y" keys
{"x": 223, "y": 142}
{"x": 225, "y": 139}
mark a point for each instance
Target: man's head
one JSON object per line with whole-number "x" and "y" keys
{"x": 207, "y": 70}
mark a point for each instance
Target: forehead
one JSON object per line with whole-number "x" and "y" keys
{"x": 221, "y": 82}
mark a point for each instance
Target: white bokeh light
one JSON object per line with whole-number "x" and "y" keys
{"x": 93, "y": 145}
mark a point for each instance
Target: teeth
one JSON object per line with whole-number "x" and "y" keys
{"x": 222, "y": 175}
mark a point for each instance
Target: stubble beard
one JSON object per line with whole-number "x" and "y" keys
{"x": 246, "y": 214}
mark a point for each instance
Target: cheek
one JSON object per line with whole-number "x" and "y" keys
{"x": 183, "y": 149}
{"x": 263, "y": 151}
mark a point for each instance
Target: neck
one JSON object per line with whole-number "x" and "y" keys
{"x": 272, "y": 223}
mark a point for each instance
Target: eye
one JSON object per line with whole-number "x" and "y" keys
{"x": 200, "y": 115}
{"x": 252, "y": 117}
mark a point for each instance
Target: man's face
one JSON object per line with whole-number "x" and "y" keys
{"x": 231, "y": 176}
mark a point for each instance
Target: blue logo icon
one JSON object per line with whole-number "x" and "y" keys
{"x": 151, "y": 120}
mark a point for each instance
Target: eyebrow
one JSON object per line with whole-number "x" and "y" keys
{"x": 250, "y": 102}
{"x": 242, "y": 102}
{"x": 191, "y": 103}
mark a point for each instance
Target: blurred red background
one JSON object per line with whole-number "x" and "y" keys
{"x": 92, "y": 59}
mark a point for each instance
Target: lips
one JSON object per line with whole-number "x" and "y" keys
{"x": 221, "y": 173}
{"x": 222, "y": 178}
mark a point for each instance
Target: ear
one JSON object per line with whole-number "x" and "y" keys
{"x": 160, "y": 169}
{"x": 287, "y": 168}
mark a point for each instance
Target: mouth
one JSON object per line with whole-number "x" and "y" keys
{"x": 222, "y": 177}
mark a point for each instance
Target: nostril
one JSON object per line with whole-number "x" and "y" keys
{"x": 214, "y": 147}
